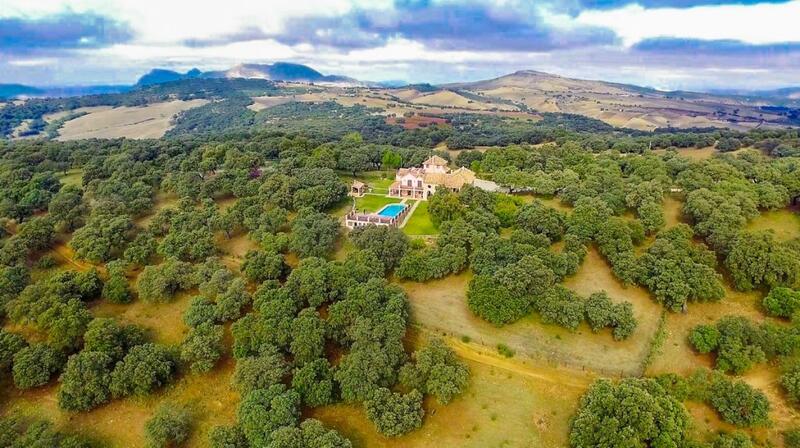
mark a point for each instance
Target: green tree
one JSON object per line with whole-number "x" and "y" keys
{"x": 632, "y": 412}
{"x": 259, "y": 266}
{"x": 782, "y": 302}
{"x": 388, "y": 243}
{"x": 263, "y": 411}
{"x": 313, "y": 234}
{"x": 107, "y": 336}
{"x": 314, "y": 382}
{"x": 259, "y": 372}
{"x": 394, "y": 414}
{"x": 34, "y": 365}
{"x": 437, "y": 371}
{"x": 145, "y": 368}
{"x": 227, "y": 437}
{"x": 202, "y": 347}
{"x": 85, "y": 381}
{"x": 10, "y": 345}
{"x": 160, "y": 283}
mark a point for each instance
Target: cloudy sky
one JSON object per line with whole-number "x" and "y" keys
{"x": 667, "y": 44}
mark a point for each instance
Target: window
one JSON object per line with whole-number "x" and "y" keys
{"x": 419, "y": 183}
{"x": 410, "y": 183}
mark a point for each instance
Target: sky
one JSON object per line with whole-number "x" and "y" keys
{"x": 665, "y": 44}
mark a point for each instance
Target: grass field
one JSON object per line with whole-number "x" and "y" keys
{"x": 785, "y": 223}
{"x": 420, "y": 222}
{"x": 373, "y": 202}
{"x": 507, "y": 404}
{"x": 73, "y": 177}
{"x": 150, "y": 121}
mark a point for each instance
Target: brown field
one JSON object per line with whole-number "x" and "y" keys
{"x": 150, "y": 121}
{"x": 265, "y": 102}
{"x": 440, "y": 306}
{"x": 695, "y": 154}
{"x": 59, "y": 115}
{"x": 449, "y": 99}
{"x": 416, "y": 121}
{"x": 616, "y": 104}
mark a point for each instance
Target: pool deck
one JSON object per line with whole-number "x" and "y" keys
{"x": 355, "y": 219}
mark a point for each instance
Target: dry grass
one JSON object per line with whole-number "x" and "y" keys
{"x": 508, "y": 404}
{"x": 784, "y": 223}
{"x": 150, "y": 121}
{"x": 441, "y": 307}
{"x": 120, "y": 423}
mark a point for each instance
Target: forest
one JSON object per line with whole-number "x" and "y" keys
{"x": 313, "y": 317}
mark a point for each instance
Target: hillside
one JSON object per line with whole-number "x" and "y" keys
{"x": 625, "y": 105}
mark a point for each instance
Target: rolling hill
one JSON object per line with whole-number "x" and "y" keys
{"x": 624, "y": 105}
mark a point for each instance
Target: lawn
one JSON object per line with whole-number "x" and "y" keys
{"x": 373, "y": 202}
{"x": 420, "y": 222}
{"x": 378, "y": 181}
{"x": 73, "y": 177}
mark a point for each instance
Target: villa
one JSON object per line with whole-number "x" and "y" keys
{"x": 421, "y": 182}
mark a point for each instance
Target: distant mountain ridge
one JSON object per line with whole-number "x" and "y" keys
{"x": 279, "y": 71}
{"x": 16, "y": 90}
{"x": 10, "y": 91}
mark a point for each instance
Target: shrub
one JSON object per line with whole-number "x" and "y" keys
{"x": 169, "y": 426}
{"x": 782, "y": 302}
{"x": 505, "y": 350}
{"x": 227, "y": 437}
{"x": 704, "y": 338}
{"x": 790, "y": 380}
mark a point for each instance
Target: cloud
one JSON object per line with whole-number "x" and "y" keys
{"x": 61, "y": 31}
{"x": 697, "y": 47}
{"x": 758, "y": 24}
{"x": 510, "y": 26}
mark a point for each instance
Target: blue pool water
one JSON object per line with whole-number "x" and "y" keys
{"x": 392, "y": 210}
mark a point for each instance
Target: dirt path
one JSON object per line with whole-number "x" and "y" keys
{"x": 65, "y": 253}
{"x": 481, "y": 354}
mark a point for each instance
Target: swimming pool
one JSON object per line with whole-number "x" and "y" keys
{"x": 392, "y": 210}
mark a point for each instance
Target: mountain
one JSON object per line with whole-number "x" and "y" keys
{"x": 621, "y": 105}
{"x": 285, "y": 71}
{"x": 16, "y": 90}
{"x": 19, "y": 90}
{"x": 279, "y": 71}
{"x": 159, "y": 76}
